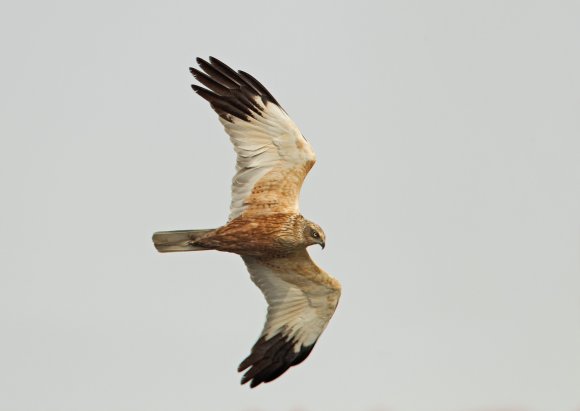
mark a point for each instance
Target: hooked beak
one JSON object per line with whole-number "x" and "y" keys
{"x": 322, "y": 244}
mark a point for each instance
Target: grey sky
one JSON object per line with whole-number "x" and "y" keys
{"x": 448, "y": 184}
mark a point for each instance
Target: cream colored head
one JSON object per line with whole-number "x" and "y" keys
{"x": 313, "y": 234}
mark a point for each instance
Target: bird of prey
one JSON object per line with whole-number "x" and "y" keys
{"x": 265, "y": 226}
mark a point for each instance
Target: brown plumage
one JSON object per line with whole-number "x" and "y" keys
{"x": 265, "y": 226}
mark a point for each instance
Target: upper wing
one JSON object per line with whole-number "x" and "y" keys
{"x": 301, "y": 300}
{"x": 273, "y": 157}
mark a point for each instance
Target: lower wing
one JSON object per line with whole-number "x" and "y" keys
{"x": 301, "y": 300}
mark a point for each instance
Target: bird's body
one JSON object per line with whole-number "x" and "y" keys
{"x": 274, "y": 235}
{"x": 265, "y": 225}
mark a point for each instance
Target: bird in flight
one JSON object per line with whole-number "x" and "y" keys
{"x": 265, "y": 226}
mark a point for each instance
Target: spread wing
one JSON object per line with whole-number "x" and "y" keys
{"x": 301, "y": 300}
{"x": 273, "y": 157}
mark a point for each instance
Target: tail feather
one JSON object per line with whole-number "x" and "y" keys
{"x": 182, "y": 240}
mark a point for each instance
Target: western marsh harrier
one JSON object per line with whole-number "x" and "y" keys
{"x": 265, "y": 226}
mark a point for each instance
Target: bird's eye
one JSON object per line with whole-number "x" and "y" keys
{"x": 315, "y": 234}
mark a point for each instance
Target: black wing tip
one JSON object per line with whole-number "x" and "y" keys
{"x": 214, "y": 60}
{"x": 195, "y": 72}
{"x": 233, "y": 87}
{"x": 270, "y": 358}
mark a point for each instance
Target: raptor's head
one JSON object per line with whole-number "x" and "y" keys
{"x": 313, "y": 234}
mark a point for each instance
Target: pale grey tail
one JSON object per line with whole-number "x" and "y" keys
{"x": 182, "y": 240}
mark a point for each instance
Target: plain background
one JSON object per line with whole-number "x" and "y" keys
{"x": 448, "y": 184}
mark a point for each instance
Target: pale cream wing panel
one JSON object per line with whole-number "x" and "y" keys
{"x": 273, "y": 157}
{"x": 301, "y": 301}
